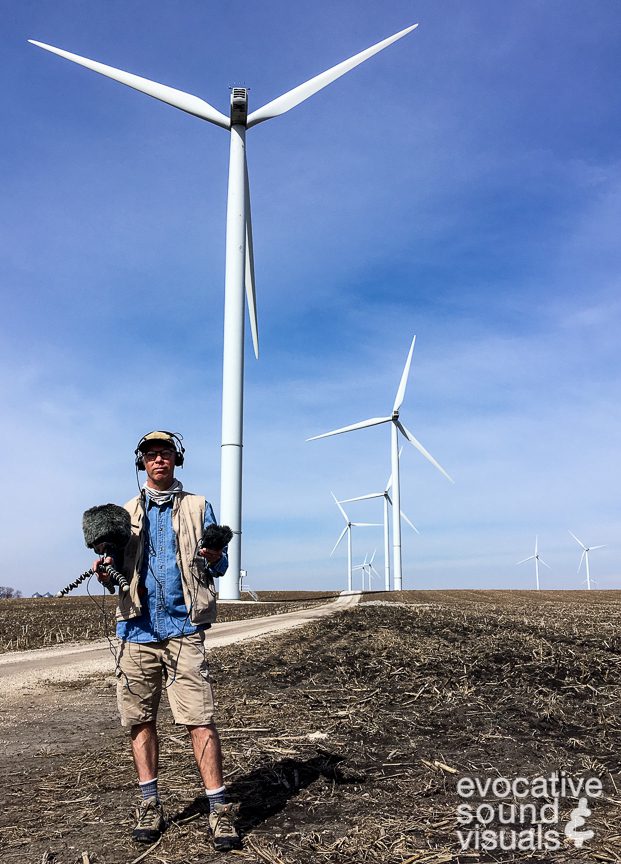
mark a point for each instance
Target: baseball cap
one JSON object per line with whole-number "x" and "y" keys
{"x": 162, "y": 437}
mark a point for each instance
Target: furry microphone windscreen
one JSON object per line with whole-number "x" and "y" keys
{"x": 216, "y": 537}
{"x": 108, "y": 523}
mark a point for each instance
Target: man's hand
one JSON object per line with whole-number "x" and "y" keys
{"x": 98, "y": 569}
{"x": 212, "y": 556}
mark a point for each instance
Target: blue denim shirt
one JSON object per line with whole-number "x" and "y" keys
{"x": 164, "y": 612}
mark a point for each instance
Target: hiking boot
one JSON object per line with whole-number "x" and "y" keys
{"x": 222, "y": 823}
{"x": 150, "y": 821}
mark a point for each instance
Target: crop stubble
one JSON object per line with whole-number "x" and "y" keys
{"x": 27, "y": 623}
{"x": 344, "y": 741}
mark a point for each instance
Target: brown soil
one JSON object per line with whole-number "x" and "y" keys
{"x": 344, "y": 741}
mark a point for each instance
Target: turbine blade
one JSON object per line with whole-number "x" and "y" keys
{"x": 524, "y": 560}
{"x": 541, "y": 561}
{"x": 338, "y": 504}
{"x": 411, "y": 524}
{"x": 363, "y": 497}
{"x": 177, "y": 98}
{"x": 389, "y": 498}
{"x": 251, "y": 297}
{"x": 373, "y": 556}
{"x": 367, "y": 524}
{"x": 584, "y": 552}
{"x": 404, "y": 379}
{"x": 293, "y": 97}
{"x": 341, "y": 535}
{"x": 375, "y": 573}
{"x": 576, "y": 539}
{"x": 374, "y": 421}
{"x": 603, "y": 546}
{"x": 422, "y": 450}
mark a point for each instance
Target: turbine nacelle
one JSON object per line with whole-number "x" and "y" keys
{"x": 239, "y": 106}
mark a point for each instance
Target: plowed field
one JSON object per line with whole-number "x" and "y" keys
{"x": 346, "y": 741}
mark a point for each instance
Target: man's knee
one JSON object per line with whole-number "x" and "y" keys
{"x": 138, "y": 730}
{"x": 207, "y": 730}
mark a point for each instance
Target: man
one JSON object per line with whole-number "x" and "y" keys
{"x": 161, "y": 623}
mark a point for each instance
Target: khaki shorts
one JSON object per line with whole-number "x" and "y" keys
{"x": 178, "y": 666}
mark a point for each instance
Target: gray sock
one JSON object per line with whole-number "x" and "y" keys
{"x": 216, "y": 796}
{"x": 149, "y": 789}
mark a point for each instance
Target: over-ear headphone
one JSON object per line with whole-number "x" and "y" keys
{"x": 172, "y": 438}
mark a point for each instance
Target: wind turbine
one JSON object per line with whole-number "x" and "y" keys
{"x": 347, "y": 530}
{"x": 585, "y": 557}
{"x": 387, "y": 500}
{"x": 368, "y": 568}
{"x": 396, "y": 427}
{"x": 362, "y": 567}
{"x": 371, "y": 571}
{"x": 537, "y": 558}
{"x": 239, "y": 269}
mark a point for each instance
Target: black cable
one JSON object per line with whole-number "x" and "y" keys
{"x": 191, "y": 588}
{"x": 104, "y": 619}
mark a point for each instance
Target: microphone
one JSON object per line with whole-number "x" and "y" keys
{"x": 216, "y": 537}
{"x": 107, "y": 529}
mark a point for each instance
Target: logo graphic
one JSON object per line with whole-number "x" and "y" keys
{"x": 523, "y": 813}
{"x": 577, "y": 820}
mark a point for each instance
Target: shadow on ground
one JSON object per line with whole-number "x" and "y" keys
{"x": 267, "y": 789}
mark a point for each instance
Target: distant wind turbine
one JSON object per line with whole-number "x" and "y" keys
{"x": 371, "y": 571}
{"x": 585, "y": 557}
{"x": 537, "y": 558}
{"x": 396, "y": 427}
{"x": 368, "y": 569}
{"x": 239, "y": 270}
{"x": 387, "y": 500}
{"x": 347, "y": 530}
{"x": 363, "y": 568}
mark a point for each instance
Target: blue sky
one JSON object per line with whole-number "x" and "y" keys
{"x": 463, "y": 186}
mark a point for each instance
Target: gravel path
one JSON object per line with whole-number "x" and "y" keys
{"x": 28, "y": 669}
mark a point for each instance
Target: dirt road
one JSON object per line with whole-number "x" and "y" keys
{"x": 27, "y": 669}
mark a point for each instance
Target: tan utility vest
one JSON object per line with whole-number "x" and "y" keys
{"x": 199, "y": 593}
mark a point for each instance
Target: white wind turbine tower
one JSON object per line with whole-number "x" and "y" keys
{"x": 347, "y": 530}
{"x": 239, "y": 269}
{"x": 585, "y": 557}
{"x": 396, "y": 427}
{"x": 537, "y": 558}
{"x": 387, "y": 500}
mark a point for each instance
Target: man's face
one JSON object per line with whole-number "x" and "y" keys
{"x": 159, "y": 462}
